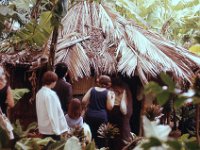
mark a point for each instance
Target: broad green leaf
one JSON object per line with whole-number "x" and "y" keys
{"x": 184, "y": 137}
{"x": 179, "y": 101}
{"x": 195, "y": 49}
{"x": 163, "y": 97}
{"x": 153, "y": 87}
{"x": 45, "y": 21}
{"x": 168, "y": 81}
{"x": 174, "y": 145}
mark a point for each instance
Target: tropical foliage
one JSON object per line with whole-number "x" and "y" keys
{"x": 29, "y": 24}
{"x": 19, "y": 93}
{"x": 178, "y": 20}
{"x": 157, "y": 137}
{"x": 169, "y": 90}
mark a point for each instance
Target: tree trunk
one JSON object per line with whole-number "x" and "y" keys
{"x": 53, "y": 48}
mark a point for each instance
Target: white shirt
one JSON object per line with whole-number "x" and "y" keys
{"x": 51, "y": 119}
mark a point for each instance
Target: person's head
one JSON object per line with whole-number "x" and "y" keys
{"x": 61, "y": 69}
{"x": 49, "y": 78}
{"x": 74, "y": 108}
{"x": 104, "y": 81}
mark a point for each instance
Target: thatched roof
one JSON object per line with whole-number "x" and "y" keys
{"x": 113, "y": 44}
{"x": 28, "y": 60}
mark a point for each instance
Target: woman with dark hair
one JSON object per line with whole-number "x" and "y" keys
{"x": 98, "y": 100}
{"x": 51, "y": 119}
{"x": 121, "y": 113}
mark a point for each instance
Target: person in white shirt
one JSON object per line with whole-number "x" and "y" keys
{"x": 51, "y": 119}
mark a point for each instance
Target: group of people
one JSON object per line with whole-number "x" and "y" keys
{"x": 58, "y": 112}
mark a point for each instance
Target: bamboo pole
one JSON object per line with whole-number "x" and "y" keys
{"x": 66, "y": 45}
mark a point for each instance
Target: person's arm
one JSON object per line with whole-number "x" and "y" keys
{"x": 10, "y": 100}
{"x": 110, "y": 100}
{"x": 123, "y": 103}
{"x": 86, "y": 98}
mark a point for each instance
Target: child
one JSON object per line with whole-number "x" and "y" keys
{"x": 74, "y": 118}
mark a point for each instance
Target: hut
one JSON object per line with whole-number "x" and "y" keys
{"x": 24, "y": 69}
{"x": 95, "y": 40}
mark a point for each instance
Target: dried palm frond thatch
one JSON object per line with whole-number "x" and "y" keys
{"x": 117, "y": 45}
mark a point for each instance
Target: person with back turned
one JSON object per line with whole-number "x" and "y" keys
{"x": 62, "y": 88}
{"x": 50, "y": 117}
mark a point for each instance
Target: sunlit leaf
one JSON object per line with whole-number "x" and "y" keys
{"x": 195, "y": 49}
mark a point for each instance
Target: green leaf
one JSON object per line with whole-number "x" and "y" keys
{"x": 168, "y": 81}
{"x": 152, "y": 87}
{"x": 163, "y": 97}
{"x": 184, "y": 137}
{"x": 19, "y": 93}
{"x": 179, "y": 101}
{"x": 174, "y": 145}
{"x": 152, "y": 142}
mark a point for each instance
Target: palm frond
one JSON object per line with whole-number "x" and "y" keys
{"x": 78, "y": 62}
{"x": 117, "y": 45}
